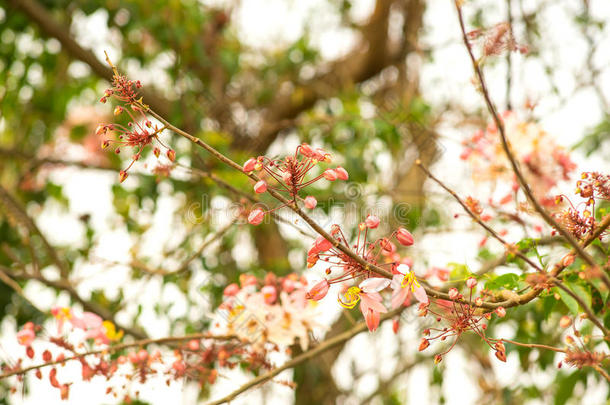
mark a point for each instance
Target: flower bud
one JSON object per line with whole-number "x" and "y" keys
{"x": 105, "y": 143}
{"x": 501, "y": 355}
{"x": 471, "y": 282}
{"x": 372, "y": 221}
{"x": 565, "y": 321}
{"x": 310, "y": 202}
{"x": 231, "y": 290}
{"x": 318, "y": 291}
{"x": 478, "y": 302}
{"x": 250, "y": 165}
{"x": 156, "y": 152}
{"x": 341, "y": 173}
{"x": 306, "y": 150}
{"x": 438, "y": 358}
{"x": 330, "y": 175}
{"x": 404, "y": 237}
{"x": 118, "y": 110}
{"x": 269, "y": 294}
{"x": 171, "y": 155}
{"x": 101, "y": 130}
{"x": 193, "y": 344}
{"x": 424, "y": 344}
{"x": 287, "y": 177}
{"x": 122, "y": 176}
{"x": 142, "y": 355}
{"x": 395, "y": 326}
{"x": 501, "y": 312}
{"x": 256, "y": 217}
{"x": 260, "y": 187}
{"x": 453, "y": 293}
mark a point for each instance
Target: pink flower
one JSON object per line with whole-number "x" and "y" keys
{"x": 249, "y": 165}
{"x": 501, "y": 312}
{"x": 453, "y": 293}
{"x": 330, "y": 175}
{"x": 404, "y": 237}
{"x": 341, "y": 173}
{"x": 372, "y": 221}
{"x": 26, "y": 336}
{"x": 471, "y": 282}
{"x": 318, "y": 291}
{"x": 231, "y": 290}
{"x": 256, "y": 217}
{"x": 269, "y": 293}
{"x": 260, "y": 187}
{"x": 310, "y": 202}
{"x": 404, "y": 281}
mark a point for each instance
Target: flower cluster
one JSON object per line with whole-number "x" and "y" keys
{"x": 358, "y": 283}
{"x": 461, "y": 316}
{"x": 139, "y": 132}
{"x": 544, "y": 162}
{"x": 273, "y": 311}
{"x": 579, "y": 219}
{"x": 197, "y": 359}
{"x": 290, "y": 175}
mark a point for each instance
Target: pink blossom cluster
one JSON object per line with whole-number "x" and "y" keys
{"x": 543, "y": 161}
{"x": 274, "y": 310}
{"x": 358, "y": 283}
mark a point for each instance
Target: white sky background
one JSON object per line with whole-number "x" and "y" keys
{"x": 261, "y": 24}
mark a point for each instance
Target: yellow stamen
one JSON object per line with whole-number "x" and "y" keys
{"x": 350, "y": 298}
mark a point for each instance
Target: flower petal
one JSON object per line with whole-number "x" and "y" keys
{"x": 374, "y": 284}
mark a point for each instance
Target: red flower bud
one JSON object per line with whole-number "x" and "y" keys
{"x": 453, "y": 293}
{"x": 318, "y": 291}
{"x": 249, "y": 165}
{"x": 231, "y": 290}
{"x": 256, "y": 217}
{"x": 156, "y": 152}
{"x": 310, "y": 202}
{"x": 122, "y": 175}
{"x": 341, "y": 173}
{"x": 404, "y": 237}
{"x": 330, "y": 175}
{"x": 171, "y": 155}
{"x": 471, "y": 282}
{"x": 372, "y": 221}
{"x": 260, "y": 187}
{"x": 424, "y": 344}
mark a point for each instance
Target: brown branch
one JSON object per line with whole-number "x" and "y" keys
{"x": 321, "y": 348}
{"x": 478, "y": 220}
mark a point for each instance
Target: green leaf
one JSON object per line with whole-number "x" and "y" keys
{"x": 570, "y": 302}
{"x": 581, "y": 291}
{"x": 507, "y": 281}
{"x": 565, "y": 384}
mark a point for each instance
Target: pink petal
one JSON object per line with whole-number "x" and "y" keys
{"x": 420, "y": 295}
{"x": 398, "y": 297}
{"x": 372, "y": 320}
{"x": 371, "y": 304}
{"x": 374, "y": 284}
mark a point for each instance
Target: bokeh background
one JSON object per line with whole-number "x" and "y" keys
{"x": 377, "y": 83}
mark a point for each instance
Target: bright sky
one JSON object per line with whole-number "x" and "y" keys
{"x": 447, "y": 78}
